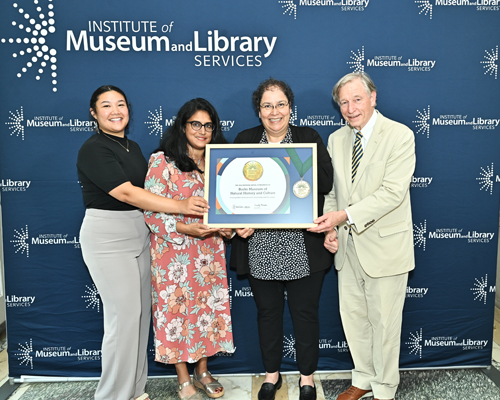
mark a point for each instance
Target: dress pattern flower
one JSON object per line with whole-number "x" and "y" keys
{"x": 191, "y": 312}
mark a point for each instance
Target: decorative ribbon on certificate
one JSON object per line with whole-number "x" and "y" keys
{"x": 301, "y": 188}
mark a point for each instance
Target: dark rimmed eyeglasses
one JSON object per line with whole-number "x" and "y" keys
{"x": 196, "y": 125}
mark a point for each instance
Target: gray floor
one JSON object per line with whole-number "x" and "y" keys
{"x": 454, "y": 384}
{"x": 462, "y": 384}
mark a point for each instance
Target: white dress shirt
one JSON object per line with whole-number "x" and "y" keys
{"x": 366, "y": 132}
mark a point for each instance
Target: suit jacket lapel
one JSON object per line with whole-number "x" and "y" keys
{"x": 347, "y": 162}
{"x": 370, "y": 149}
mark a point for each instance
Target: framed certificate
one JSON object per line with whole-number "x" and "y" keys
{"x": 261, "y": 185}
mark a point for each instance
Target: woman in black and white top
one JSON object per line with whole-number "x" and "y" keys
{"x": 279, "y": 259}
{"x": 115, "y": 242}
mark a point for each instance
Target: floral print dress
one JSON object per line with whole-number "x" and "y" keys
{"x": 191, "y": 312}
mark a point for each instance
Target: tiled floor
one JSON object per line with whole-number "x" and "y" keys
{"x": 415, "y": 385}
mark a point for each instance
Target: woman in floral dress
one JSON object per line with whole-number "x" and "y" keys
{"x": 190, "y": 294}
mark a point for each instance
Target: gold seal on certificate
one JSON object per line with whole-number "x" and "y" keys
{"x": 301, "y": 189}
{"x": 253, "y": 170}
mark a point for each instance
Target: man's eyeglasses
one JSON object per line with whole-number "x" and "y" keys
{"x": 269, "y": 107}
{"x": 196, "y": 125}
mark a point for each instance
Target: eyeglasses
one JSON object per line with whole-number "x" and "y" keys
{"x": 196, "y": 125}
{"x": 269, "y": 107}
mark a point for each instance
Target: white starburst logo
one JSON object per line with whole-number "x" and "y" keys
{"x": 155, "y": 122}
{"x": 293, "y": 116}
{"x": 425, "y": 7}
{"x": 21, "y": 241}
{"x": 422, "y": 122}
{"x": 15, "y": 123}
{"x": 357, "y": 60}
{"x": 289, "y": 347}
{"x": 491, "y": 63}
{"x": 92, "y": 297}
{"x": 479, "y": 289}
{"x": 24, "y": 354}
{"x": 415, "y": 343}
{"x": 39, "y": 25}
{"x": 419, "y": 232}
{"x": 486, "y": 179}
{"x": 289, "y": 7}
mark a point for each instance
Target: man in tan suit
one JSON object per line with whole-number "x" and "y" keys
{"x": 369, "y": 210}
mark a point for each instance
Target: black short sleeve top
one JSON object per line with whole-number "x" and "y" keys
{"x": 103, "y": 164}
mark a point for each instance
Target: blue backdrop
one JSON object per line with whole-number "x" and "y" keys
{"x": 435, "y": 63}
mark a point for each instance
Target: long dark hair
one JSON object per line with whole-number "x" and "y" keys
{"x": 174, "y": 142}
{"x": 95, "y": 97}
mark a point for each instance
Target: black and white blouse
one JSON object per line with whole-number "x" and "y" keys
{"x": 278, "y": 254}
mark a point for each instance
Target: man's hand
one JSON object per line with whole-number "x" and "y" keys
{"x": 329, "y": 221}
{"x": 331, "y": 241}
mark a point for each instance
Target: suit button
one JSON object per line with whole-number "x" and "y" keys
{"x": 345, "y": 227}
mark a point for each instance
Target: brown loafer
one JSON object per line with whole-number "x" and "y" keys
{"x": 353, "y": 393}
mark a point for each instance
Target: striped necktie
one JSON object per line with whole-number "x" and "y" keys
{"x": 357, "y": 153}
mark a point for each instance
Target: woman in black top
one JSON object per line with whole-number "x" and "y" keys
{"x": 115, "y": 242}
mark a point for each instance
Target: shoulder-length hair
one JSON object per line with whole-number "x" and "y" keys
{"x": 174, "y": 142}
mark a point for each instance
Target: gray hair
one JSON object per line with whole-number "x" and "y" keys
{"x": 365, "y": 80}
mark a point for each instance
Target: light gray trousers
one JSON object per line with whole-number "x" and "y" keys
{"x": 115, "y": 248}
{"x": 372, "y": 314}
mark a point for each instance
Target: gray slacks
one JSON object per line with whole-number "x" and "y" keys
{"x": 115, "y": 248}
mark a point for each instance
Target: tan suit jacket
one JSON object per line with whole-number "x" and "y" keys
{"x": 379, "y": 199}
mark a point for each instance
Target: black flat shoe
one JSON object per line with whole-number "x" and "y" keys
{"x": 307, "y": 392}
{"x": 268, "y": 390}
